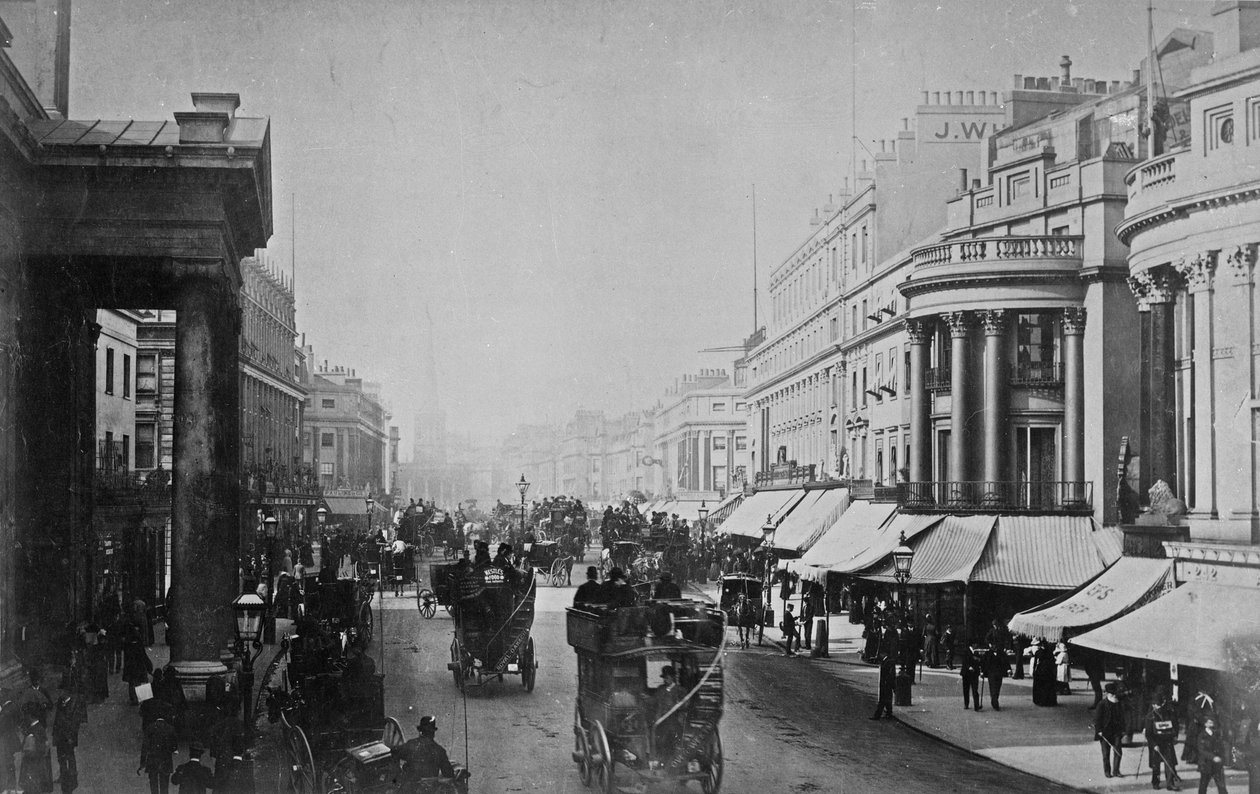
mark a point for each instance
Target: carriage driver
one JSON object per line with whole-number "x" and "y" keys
{"x": 423, "y": 757}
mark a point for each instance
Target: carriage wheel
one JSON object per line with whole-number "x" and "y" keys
{"x": 607, "y": 766}
{"x": 457, "y": 657}
{"x": 713, "y": 764}
{"x": 302, "y": 763}
{"x": 557, "y": 574}
{"x": 529, "y": 668}
{"x": 393, "y": 737}
{"x": 581, "y": 749}
{"x": 426, "y": 547}
{"x": 427, "y": 602}
{"x": 367, "y": 623}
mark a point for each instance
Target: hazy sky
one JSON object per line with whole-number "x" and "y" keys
{"x": 564, "y": 185}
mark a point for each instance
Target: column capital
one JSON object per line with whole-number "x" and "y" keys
{"x": 959, "y": 323}
{"x": 919, "y": 331}
{"x": 841, "y": 366}
{"x": 1152, "y": 286}
{"x": 994, "y": 321}
{"x": 1240, "y": 260}
{"x": 1197, "y": 270}
{"x": 1074, "y": 320}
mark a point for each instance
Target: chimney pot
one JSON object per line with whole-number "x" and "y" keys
{"x": 202, "y": 126}
{"x": 936, "y": 97}
{"x": 1065, "y": 63}
{"x": 925, "y": 97}
{"x": 958, "y": 97}
{"x": 971, "y": 97}
{"x": 206, "y": 101}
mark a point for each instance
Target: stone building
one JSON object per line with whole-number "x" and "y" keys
{"x": 700, "y": 434}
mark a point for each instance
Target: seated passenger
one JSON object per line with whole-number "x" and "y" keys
{"x": 617, "y": 591}
{"x": 423, "y": 757}
{"x": 591, "y": 591}
{"x": 666, "y": 588}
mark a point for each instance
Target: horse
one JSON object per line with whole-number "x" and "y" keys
{"x": 745, "y": 618}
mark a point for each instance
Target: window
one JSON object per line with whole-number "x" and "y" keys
{"x": 1218, "y": 127}
{"x": 326, "y": 439}
{"x": 126, "y": 375}
{"x": 109, "y": 370}
{"x": 1059, "y": 231}
{"x": 864, "y": 387}
{"x": 741, "y": 407}
{"x": 126, "y": 451}
{"x": 1017, "y": 187}
{"x": 892, "y": 372}
{"x": 865, "y": 239}
{"x": 741, "y": 443}
{"x": 145, "y": 434}
{"x": 306, "y": 439}
{"x": 326, "y": 469}
{"x": 719, "y": 407}
{"x": 864, "y": 317}
{"x": 879, "y": 374}
{"x": 719, "y": 443}
{"x": 146, "y": 378}
{"x": 905, "y": 384}
{"x": 327, "y": 403}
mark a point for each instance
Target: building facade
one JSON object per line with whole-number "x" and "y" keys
{"x": 700, "y": 434}
{"x": 346, "y": 435}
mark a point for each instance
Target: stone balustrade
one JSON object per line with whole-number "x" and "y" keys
{"x": 999, "y": 249}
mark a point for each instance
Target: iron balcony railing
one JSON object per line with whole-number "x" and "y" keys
{"x": 937, "y": 379}
{"x": 127, "y": 486}
{"x": 1030, "y": 374}
{"x": 998, "y": 496}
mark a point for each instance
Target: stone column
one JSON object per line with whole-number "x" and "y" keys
{"x": 1074, "y": 395}
{"x": 995, "y": 380}
{"x": 959, "y": 384}
{"x": 1161, "y": 447}
{"x": 920, "y": 332}
{"x": 205, "y": 544}
{"x": 1198, "y": 271}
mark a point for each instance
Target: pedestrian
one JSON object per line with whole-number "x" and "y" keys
{"x": 156, "y": 753}
{"x": 931, "y": 643}
{"x": 995, "y": 668}
{"x": 1063, "y": 669}
{"x": 234, "y": 774}
{"x": 887, "y": 685}
{"x": 666, "y": 589}
{"x": 969, "y": 671}
{"x": 96, "y": 672}
{"x": 192, "y": 777}
{"x": 65, "y": 736}
{"x": 1211, "y": 749}
{"x": 1161, "y": 739}
{"x": 1095, "y": 671}
{"x": 1109, "y": 730}
{"x": 947, "y": 647}
{"x": 789, "y": 631}
{"x": 590, "y": 591}
{"x": 1020, "y": 646}
{"x": 807, "y": 622}
{"x": 1043, "y": 674}
{"x": 36, "y": 774}
{"x": 136, "y": 662}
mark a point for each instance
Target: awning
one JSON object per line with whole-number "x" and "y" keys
{"x": 351, "y": 506}
{"x": 687, "y": 508}
{"x": 815, "y": 514}
{"x": 749, "y": 517}
{"x": 947, "y": 552}
{"x": 1125, "y": 586}
{"x": 724, "y": 509}
{"x": 1047, "y": 552}
{"x": 851, "y": 535}
{"x": 1189, "y": 626}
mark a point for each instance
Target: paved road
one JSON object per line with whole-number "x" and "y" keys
{"x": 788, "y": 725}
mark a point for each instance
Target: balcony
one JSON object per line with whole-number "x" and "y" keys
{"x": 999, "y": 496}
{"x": 785, "y": 474}
{"x": 1150, "y": 183}
{"x": 999, "y": 250}
{"x": 119, "y": 486}
{"x": 281, "y": 485}
{"x": 937, "y": 379}
{"x": 1037, "y": 375}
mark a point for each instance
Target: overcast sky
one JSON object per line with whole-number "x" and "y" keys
{"x": 565, "y": 186}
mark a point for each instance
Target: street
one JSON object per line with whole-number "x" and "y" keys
{"x": 788, "y": 725}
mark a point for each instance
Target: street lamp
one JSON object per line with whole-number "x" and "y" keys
{"x": 269, "y": 532}
{"x": 249, "y": 610}
{"x": 703, "y": 514}
{"x": 321, "y": 515}
{"x": 903, "y": 556}
{"x": 522, "y": 486}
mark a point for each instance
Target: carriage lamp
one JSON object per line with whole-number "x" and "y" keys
{"x": 321, "y": 515}
{"x": 269, "y": 527}
{"x": 249, "y": 610}
{"x": 902, "y": 556}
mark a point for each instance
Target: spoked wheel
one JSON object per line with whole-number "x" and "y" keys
{"x": 529, "y": 667}
{"x": 557, "y": 577}
{"x": 712, "y": 784}
{"x": 426, "y": 548}
{"x": 581, "y": 749}
{"x": 457, "y": 665}
{"x": 392, "y": 736}
{"x": 427, "y": 602}
{"x": 606, "y": 769}
{"x": 367, "y": 623}
{"x": 302, "y": 765}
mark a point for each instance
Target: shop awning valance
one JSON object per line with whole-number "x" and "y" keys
{"x": 850, "y": 537}
{"x": 1189, "y": 626}
{"x": 352, "y": 506}
{"x": 817, "y": 512}
{"x": 946, "y": 552}
{"x": 1047, "y": 552}
{"x": 1125, "y": 586}
{"x": 724, "y": 509}
{"x": 749, "y": 517}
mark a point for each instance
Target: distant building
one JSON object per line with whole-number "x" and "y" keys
{"x": 700, "y": 434}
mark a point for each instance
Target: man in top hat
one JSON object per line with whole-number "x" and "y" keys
{"x": 1109, "y": 730}
{"x": 423, "y": 757}
{"x": 191, "y": 776}
{"x": 590, "y": 591}
{"x": 1211, "y": 746}
{"x": 617, "y": 591}
{"x": 666, "y": 588}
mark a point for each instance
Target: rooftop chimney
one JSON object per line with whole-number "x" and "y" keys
{"x": 1236, "y": 27}
{"x": 1065, "y": 63}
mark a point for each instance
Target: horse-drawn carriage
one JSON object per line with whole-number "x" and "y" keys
{"x": 742, "y": 601}
{"x": 550, "y": 560}
{"x": 443, "y": 589}
{"x": 493, "y": 618}
{"x": 668, "y": 735}
{"x": 622, "y": 554}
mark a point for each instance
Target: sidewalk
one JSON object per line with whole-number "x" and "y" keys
{"x": 1052, "y": 743}
{"x": 109, "y": 743}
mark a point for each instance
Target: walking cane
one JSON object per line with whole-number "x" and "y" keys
{"x": 1116, "y": 750}
{"x": 1173, "y": 777}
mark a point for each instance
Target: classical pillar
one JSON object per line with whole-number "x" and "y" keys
{"x": 1074, "y": 395}
{"x": 920, "y": 332}
{"x": 995, "y": 380}
{"x": 1161, "y": 447}
{"x": 205, "y": 543}
{"x": 959, "y": 383}
{"x": 1197, "y": 272}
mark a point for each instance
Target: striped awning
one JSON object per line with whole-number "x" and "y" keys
{"x": 724, "y": 509}
{"x": 1125, "y": 586}
{"x": 749, "y": 517}
{"x": 947, "y": 552}
{"x": 849, "y": 538}
{"x": 1193, "y": 625}
{"x": 1047, "y": 552}
{"x": 813, "y": 516}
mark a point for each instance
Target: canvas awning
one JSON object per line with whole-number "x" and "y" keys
{"x": 1125, "y": 586}
{"x": 813, "y": 516}
{"x": 850, "y": 536}
{"x": 1047, "y": 552}
{"x": 749, "y": 517}
{"x": 1192, "y": 626}
{"x": 727, "y": 506}
{"x": 946, "y": 552}
{"x": 351, "y": 506}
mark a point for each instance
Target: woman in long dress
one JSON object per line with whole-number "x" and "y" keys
{"x": 1043, "y": 674}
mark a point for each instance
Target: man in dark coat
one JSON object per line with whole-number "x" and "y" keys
{"x": 191, "y": 776}
{"x": 159, "y": 745}
{"x": 590, "y": 591}
{"x": 1161, "y": 738}
{"x": 65, "y": 737}
{"x": 970, "y": 673}
{"x": 1109, "y": 730}
{"x": 789, "y": 631}
{"x": 887, "y": 684}
{"x": 617, "y": 591}
{"x": 666, "y": 588}
{"x": 1212, "y": 755}
{"x": 234, "y": 774}
{"x": 423, "y": 757}
{"x": 994, "y": 668}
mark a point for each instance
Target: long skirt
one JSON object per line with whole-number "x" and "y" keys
{"x": 1044, "y": 693}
